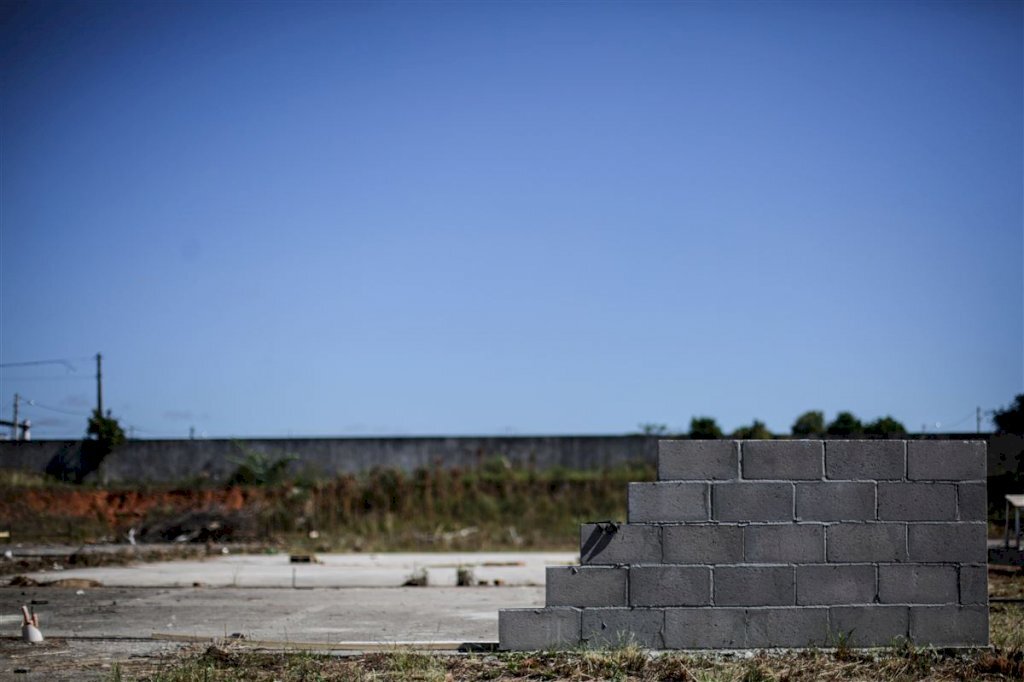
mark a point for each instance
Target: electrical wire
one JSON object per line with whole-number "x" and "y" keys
{"x": 51, "y": 378}
{"x": 33, "y": 403}
{"x": 66, "y": 362}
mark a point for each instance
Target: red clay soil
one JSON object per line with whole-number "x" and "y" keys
{"x": 115, "y": 508}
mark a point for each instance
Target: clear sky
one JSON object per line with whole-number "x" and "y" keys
{"x": 524, "y": 217}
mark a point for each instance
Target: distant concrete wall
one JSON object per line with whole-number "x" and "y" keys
{"x": 753, "y": 544}
{"x": 215, "y": 459}
{"x": 177, "y": 460}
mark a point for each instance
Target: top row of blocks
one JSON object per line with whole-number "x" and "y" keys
{"x": 808, "y": 460}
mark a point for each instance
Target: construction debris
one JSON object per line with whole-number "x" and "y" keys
{"x": 30, "y": 626}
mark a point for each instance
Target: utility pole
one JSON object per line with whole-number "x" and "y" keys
{"x": 978, "y": 418}
{"x": 15, "y": 420}
{"x": 99, "y": 384}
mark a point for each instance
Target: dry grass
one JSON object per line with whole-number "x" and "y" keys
{"x": 901, "y": 663}
{"x": 490, "y": 507}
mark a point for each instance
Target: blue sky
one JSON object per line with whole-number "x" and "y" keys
{"x": 476, "y": 218}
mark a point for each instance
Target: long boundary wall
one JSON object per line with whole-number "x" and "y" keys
{"x": 215, "y": 459}
{"x": 180, "y": 460}
{"x": 751, "y": 544}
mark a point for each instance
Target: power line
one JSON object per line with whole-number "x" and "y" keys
{"x": 66, "y": 362}
{"x": 33, "y": 403}
{"x": 50, "y": 378}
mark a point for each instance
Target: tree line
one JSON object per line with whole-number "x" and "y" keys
{"x": 812, "y": 424}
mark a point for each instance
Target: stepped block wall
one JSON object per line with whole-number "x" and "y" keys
{"x": 750, "y": 544}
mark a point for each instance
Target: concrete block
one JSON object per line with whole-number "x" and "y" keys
{"x": 702, "y": 544}
{"x": 866, "y": 542}
{"x": 754, "y": 586}
{"x": 698, "y": 460}
{"x": 782, "y": 459}
{"x": 917, "y": 584}
{"x": 668, "y": 501}
{"x": 948, "y": 542}
{"x": 946, "y": 460}
{"x": 752, "y": 502}
{"x": 784, "y": 543}
{"x": 835, "y": 501}
{"x": 974, "y": 584}
{"x": 916, "y": 502}
{"x": 618, "y": 627}
{"x": 533, "y": 629}
{"x": 833, "y": 584}
{"x": 862, "y": 460}
{"x": 792, "y": 627}
{"x": 669, "y": 586}
{"x": 609, "y": 543}
{"x": 586, "y": 586}
{"x": 972, "y": 502}
{"x": 949, "y": 625}
{"x": 697, "y": 628}
{"x": 868, "y": 625}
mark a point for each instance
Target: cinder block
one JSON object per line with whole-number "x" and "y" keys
{"x": 916, "y": 502}
{"x": 974, "y": 584}
{"x": 698, "y": 460}
{"x": 835, "y": 501}
{"x": 532, "y": 629}
{"x": 586, "y": 586}
{"x": 835, "y": 584}
{"x": 754, "y": 586}
{"x": 792, "y": 627}
{"x": 702, "y": 544}
{"x": 609, "y": 543}
{"x": 946, "y": 460}
{"x": 948, "y": 542}
{"x": 866, "y": 542}
{"x": 949, "y": 625}
{"x": 669, "y": 586}
{"x": 752, "y": 502}
{"x": 618, "y": 627}
{"x": 972, "y": 501}
{"x": 784, "y": 543}
{"x": 917, "y": 584}
{"x": 697, "y": 628}
{"x": 863, "y": 460}
{"x": 868, "y": 625}
{"x": 782, "y": 459}
{"x": 668, "y": 501}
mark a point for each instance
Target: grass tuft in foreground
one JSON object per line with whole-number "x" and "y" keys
{"x": 902, "y": 662}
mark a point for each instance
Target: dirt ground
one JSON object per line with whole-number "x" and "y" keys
{"x": 103, "y": 632}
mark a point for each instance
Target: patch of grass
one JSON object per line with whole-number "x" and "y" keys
{"x": 491, "y": 507}
{"x": 902, "y": 662}
{"x": 1006, "y": 625}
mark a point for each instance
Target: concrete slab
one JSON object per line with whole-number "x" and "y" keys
{"x": 334, "y": 571}
{"x": 468, "y": 614}
{"x": 340, "y": 600}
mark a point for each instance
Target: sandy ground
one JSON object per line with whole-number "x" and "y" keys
{"x": 346, "y": 598}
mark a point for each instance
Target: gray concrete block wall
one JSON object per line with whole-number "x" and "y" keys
{"x": 781, "y": 544}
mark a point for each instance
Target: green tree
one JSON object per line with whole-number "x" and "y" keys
{"x": 105, "y": 431}
{"x": 886, "y": 427}
{"x": 704, "y": 428}
{"x": 845, "y": 424}
{"x": 103, "y": 435}
{"x": 1010, "y": 419}
{"x": 756, "y": 431}
{"x": 653, "y": 429}
{"x": 811, "y": 423}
